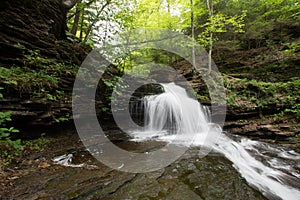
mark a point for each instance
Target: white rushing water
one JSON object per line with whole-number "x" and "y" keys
{"x": 175, "y": 117}
{"x": 66, "y": 160}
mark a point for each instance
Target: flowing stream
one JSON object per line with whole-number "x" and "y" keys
{"x": 174, "y": 117}
{"x": 214, "y": 165}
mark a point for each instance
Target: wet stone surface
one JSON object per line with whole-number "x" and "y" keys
{"x": 190, "y": 177}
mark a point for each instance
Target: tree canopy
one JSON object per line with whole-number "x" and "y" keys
{"x": 214, "y": 24}
{"x": 96, "y": 20}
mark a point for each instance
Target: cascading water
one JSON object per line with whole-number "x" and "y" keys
{"x": 164, "y": 115}
{"x": 174, "y": 117}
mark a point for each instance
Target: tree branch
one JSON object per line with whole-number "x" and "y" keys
{"x": 79, "y": 10}
{"x": 148, "y": 41}
{"x": 94, "y": 22}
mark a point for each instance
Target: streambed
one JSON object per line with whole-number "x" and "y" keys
{"x": 190, "y": 177}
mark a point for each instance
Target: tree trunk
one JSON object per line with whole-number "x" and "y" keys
{"x": 169, "y": 6}
{"x": 81, "y": 24}
{"x": 105, "y": 34}
{"x": 193, "y": 33}
{"x": 79, "y": 10}
{"x": 210, "y": 52}
{"x": 211, "y": 13}
{"x": 76, "y": 20}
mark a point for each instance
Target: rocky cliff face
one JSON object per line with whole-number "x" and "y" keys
{"x": 38, "y": 25}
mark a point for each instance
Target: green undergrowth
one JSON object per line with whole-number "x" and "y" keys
{"x": 292, "y": 47}
{"x": 38, "y": 76}
{"x": 252, "y": 94}
{"x": 38, "y": 144}
{"x": 11, "y": 150}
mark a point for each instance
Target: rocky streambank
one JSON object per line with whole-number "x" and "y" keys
{"x": 190, "y": 177}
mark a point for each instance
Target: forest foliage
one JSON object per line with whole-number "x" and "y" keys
{"x": 247, "y": 23}
{"x": 217, "y": 25}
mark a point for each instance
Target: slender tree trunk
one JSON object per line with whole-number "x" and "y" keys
{"x": 169, "y": 6}
{"x": 81, "y": 24}
{"x": 66, "y": 5}
{"x": 105, "y": 35}
{"x": 169, "y": 11}
{"x": 79, "y": 10}
{"x": 211, "y": 13}
{"x": 193, "y": 33}
{"x": 76, "y": 20}
{"x": 210, "y": 52}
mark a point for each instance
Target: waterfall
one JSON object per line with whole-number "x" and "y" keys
{"x": 174, "y": 117}
{"x": 164, "y": 112}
